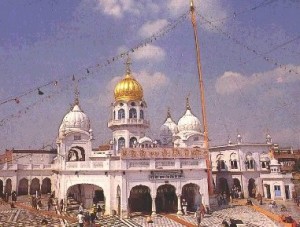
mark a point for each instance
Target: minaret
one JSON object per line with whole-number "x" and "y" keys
{"x": 128, "y": 121}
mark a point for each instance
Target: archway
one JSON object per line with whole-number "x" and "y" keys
{"x": 34, "y": 186}
{"x": 251, "y": 188}
{"x": 1, "y": 188}
{"x": 87, "y": 194}
{"x": 140, "y": 199}
{"x": 190, "y": 193}
{"x": 46, "y": 186}
{"x": 76, "y": 153}
{"x": 166, "y": 199}
{"x": 23, "y": 187}
{"x": 223, "y": 186}
{"x": 8, "y": 187}
{"x": 236, "y": 188}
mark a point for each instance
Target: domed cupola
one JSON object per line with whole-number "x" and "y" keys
{"x": 128, "y": 89}
{"x": 76, "y": 120}
{"x": 169, "y": 128}
{"x": 188, "y": 122}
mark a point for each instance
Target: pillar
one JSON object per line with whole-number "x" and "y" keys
{"x": 179, "y": 212}
{"x": 283, "y": 191}
{"x": 29, "y": 183}
{"x": 153, "y": 207}
{"x": 272, "y": 191}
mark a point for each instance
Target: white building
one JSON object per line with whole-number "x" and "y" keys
{"x": 136, "y": 173}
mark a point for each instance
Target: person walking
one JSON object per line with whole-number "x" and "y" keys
{"x": 80, "y": 218}
{"x": 198, "y": 216}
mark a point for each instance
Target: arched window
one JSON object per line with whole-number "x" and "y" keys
{"x": 132, "y": 141}
{"x": 121, "y": 143}
{"x": 121, "y": 113}
{"x": 141, "y": 114}
{"x": 132, "y": 113}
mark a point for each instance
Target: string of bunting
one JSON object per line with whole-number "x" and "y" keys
{"x": 88, "y": 71}
{"x": 266, "y": 58}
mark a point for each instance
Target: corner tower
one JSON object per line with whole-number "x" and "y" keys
{"x": 128, "y": 121}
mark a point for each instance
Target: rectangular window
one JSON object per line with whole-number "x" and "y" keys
{"x": 277, "y": 190}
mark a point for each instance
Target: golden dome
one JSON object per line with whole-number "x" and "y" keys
{"x": 128, "y": 89}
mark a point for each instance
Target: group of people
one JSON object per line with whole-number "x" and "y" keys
{"x": 36, "y": 202}
{"x": 89, "y": 217}
{"x": 222, "y": 199}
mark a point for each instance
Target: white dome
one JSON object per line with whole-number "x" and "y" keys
{"x": 188, "y": 122}
{"x": 145, "y": 139}
{"x": 274, "y": 162}
{"x": 169, "y": 128}
{"x": 76, "y": 119}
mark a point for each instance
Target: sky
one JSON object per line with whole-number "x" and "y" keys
{"x": 250, "y": 57}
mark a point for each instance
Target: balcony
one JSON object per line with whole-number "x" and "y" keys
{"x": 131, "y": 121}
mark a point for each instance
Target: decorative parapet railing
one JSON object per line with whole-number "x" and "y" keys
{"x": 131, "y": 121}
{"x": 26, "y": 167}
{"x": 85, "y": 165}
{"x": 163, "y": 153}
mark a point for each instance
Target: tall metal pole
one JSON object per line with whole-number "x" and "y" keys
{"x": 203, "y": 109}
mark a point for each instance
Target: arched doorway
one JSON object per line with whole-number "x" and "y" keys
{"x": 223, "y": 186}
{"x": 23, "y": 187}
{"x": 8, "y": 187}
{"x": 190, "y": 193}
{"x": 34, "y": 186}
{"x": 1, "y": 188}
{"x": 251, "y": 188}
{"x": 140, "y": 199}
{"x": 46, "y": 186}
{"x": 87, "y": 194}
{"x": 166, "y": 199}
{"x": 236, "y": 188}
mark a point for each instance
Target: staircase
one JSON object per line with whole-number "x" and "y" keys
{"x": 72, "y": 204}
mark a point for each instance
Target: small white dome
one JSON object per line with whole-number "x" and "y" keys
{"x": 169, "y": 128}
{"x": 145, "y": 139}
{"x": 76, "y": 119}
{"x": 274, "y": 162}
{"x": 188, "y": 122}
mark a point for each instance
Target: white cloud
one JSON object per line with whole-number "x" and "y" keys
{"x": 149, "y": 52}
{"x": 152, "y": 27}
{"x": 117, "y": 8}
{"x": 231, "y": 82}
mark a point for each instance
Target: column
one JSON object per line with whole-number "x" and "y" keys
{"x": 179, "y": 212}
{"x": 29, "y": 183}
{"x": 282, "y": 191}
{"x": 153, "y": 207}
{"x": 272, "y": 191}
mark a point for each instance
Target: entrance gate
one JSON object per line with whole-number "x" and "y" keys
{"x": 140, "y": 199}
{"x": 166, "y": 199}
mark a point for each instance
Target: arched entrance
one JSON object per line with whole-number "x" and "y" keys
{"x": 236, "y": 188}
{"x": 87, "y": 194}
{"x": 223, "y": 186}
{"x": 166, "y": 199}
{"x": 251, "y": 188}
{"x": 23, "y": 187}
{"x": 8, "y": 187}
{"x": 190, "y": 193}
{"x": 140, "y": 199}
{"x": 1, "y": 188}
{"x": 46, "y": 186}
{"x": 34, "y": 186}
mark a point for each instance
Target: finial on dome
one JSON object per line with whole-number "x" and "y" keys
{"x": 128, "y": 63}
{"x": 76, "y": 92}
{"x": 169, "y": 113}
{"x": 188, "y": 107}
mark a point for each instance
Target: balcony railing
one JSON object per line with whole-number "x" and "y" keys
{"x": 131, "y": 121}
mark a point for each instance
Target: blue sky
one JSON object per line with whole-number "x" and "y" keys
{"x": 250, "y": 58}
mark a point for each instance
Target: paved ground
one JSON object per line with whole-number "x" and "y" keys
{"x": 24, "y": 215}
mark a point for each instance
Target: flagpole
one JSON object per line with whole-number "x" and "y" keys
{"x": 203, "y": 106}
